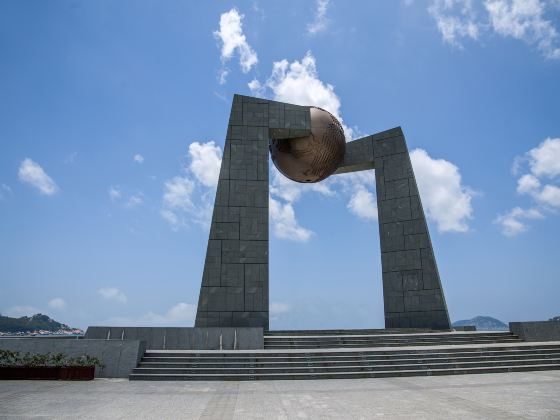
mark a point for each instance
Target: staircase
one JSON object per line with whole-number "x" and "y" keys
{"x": 354, "y": 354}
{"x": 366, "y": 339}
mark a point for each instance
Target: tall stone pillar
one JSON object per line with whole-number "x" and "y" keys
{"x": 412, "y": 292}
{"x": 234, "y": 290}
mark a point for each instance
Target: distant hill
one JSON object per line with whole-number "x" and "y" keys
{"x": 26, "y": 324}
{"x": 483, "y": 323}
{"x": 556, "y": 318}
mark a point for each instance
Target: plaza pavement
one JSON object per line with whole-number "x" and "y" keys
{"x": 485, "y": 396}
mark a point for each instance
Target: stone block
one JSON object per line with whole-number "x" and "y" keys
{"x": 232, "y": 275}
{"x": 391, "y": 236}
{"x": 249, "y": 252}
{"x": 255, "y": 114}
{"x": 413, "y": 227}
{"x": 276, "y": 115}
{"x": 417, "y": 241}
{"x": 224, "y": 230}
{"x": 401, "y": 260}
{"x": 397, "y": 167}
{"x": 395, "y": 210}
{"x": 389, "y": 146}
{"x": 396, "y": 189}
{"x": 393, "y": 302}
{"x": 392, "y": 281}
{"x": 248, "y": 193}
{"x": 412, "y": 280}
{"x": 222, "y": 194}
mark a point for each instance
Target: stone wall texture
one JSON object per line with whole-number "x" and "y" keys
{"x": 119, "y": 357}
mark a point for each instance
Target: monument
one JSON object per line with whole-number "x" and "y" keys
{"x": 307, "y": 145}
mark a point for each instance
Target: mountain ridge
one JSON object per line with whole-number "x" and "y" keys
{"x": 483, "y": 323}
{"x": 38, "y": 323}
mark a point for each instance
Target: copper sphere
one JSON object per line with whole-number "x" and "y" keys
{"x": 314, "y": 157}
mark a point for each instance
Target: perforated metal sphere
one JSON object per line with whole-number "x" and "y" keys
{"x": 314, "y": 157}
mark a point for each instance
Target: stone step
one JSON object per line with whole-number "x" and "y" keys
{"x": 335, "y": 368}
{"x": 373, "y": 333}
{"x": 386, "y": 340}
{"x": 392, "y": 341}
{"x": 345, "y": 353}
{"x": 336, "y": 362}
{"x": 381, "y": 339}
{"x": 344, "y": 374}
{"x": 376, "y": 331}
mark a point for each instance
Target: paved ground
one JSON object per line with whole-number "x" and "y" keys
{"x": 495, "y": 396}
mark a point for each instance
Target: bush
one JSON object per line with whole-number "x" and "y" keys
{"x": 14, "y": 358}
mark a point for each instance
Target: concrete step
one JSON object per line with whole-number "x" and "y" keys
{"x": 367, "y": 343}
{"x": 420, "y": 351}
{"x": 354, "y": 356}
{"x": 373, "y": 333}
{"x": 354, "y": 331}
{"x": 342, "y": 375}
{"x": 385, "y": 340}
{"x": 336, "y": 368}
{"x": 346, "y": 362}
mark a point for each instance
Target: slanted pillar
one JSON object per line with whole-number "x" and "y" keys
{"x": 412, "y": 292}
{"x": 234, "y": 289}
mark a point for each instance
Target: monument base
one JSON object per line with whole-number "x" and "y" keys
{"x": 185, "y": 338}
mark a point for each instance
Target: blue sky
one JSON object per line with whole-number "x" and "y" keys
{"x": 113, "y": 116}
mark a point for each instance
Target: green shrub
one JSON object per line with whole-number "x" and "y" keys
{"x": 14, "y": 358}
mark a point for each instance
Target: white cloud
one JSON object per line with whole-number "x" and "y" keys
{"x": 363, "y": 204}
{"x": 19, "y": 311}
{"x": 188, "y": 198}
{"x": 277, "y": 308}
{"x": 4, "y": 189}
{"x": 33, "y": 174}
{"x": 206, "y": 159}
{"x": 549, "y": 195}
{"x": 138, "y": 158}
{"x": 180, "y": 315}
{"x": 177, "y": 194}
{"x": 446, "y": 201}
{"x": 285, "y": 225}
{"x": 256, "y": 88}
{"x": 112, "y": 293}
{"x": 291, "y": 191}
{"x": 177, "y": 198}
{"x": 171, "y": 218}
{"x": 57, "y": 303}
{"x": 524, "y": 20}
{"x": 544, "y": 160}
{"x": 135, "y": 200}
{"x": 234, "y": 41}
{"x": 512, "y": 223}
{"x": 298, "y": 83}
{"x": 528, "y": 184}
{"x": 320, "y": 21}
{"x": 282, "y": 215}
{"x": 222, "y": 79}
{"x": 455, "y": 19}
{"x": 114, "y": 193}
